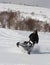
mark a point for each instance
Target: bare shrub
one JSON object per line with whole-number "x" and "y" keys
{"x": 13, "y": 20}
{"x": 46, "y": 27}
{"x": 9, "y": 19}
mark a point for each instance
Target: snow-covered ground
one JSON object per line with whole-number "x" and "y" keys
{"x": 11, "y": 55}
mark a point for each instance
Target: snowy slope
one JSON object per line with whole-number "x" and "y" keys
{"x": 11, "y": 55}
{"x": 38, "y": 13}
{"x": 40, "y": 3}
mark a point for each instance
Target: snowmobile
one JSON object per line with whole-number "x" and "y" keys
{"x": 27, "y": 45}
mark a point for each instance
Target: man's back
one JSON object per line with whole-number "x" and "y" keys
{"x": 34, "y": 37}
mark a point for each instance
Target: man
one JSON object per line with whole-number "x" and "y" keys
{"x": 34, "y": 37}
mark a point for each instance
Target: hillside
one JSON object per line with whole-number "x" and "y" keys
{"x": 38, "y": 12}
{"x": 20, "y": 17}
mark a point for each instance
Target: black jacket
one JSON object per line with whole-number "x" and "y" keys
{"x": 34, "y": 37}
